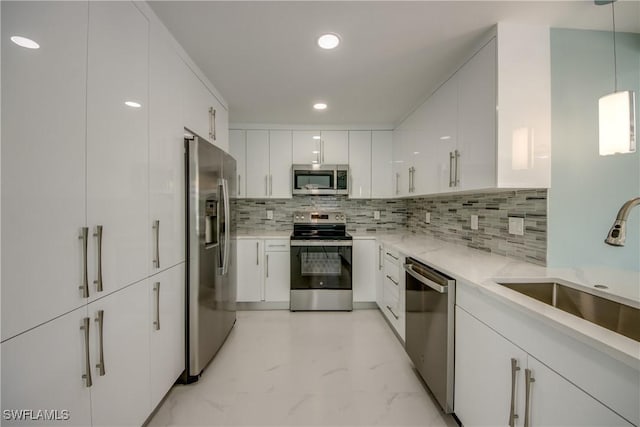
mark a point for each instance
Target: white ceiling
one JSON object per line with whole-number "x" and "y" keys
{"x": 263, "y": 58}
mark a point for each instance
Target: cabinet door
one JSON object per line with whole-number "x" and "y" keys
{"x": 117, "y": 144}
{"x": 365, "y": 263}
{"x": 166, "y": 326}
{"x": 166, "y": 155}
{"x": 360, "y": 164}
{"x": 443, "y": 137}
{"x": 280, "y": 164}
{"x": 483, "y": 374}
{"x": 277, "y": 283}
{"x": 400, "y": 162}
{"x": 220, "y": 124}
{"x": 554, "y": 401}
{"x": 196, "y": 101}
{"x": 306, "y": 147}
{"x": 122, "y": 395}
{"x": 477, "y": 120}
{"x": 257, "y": 163}
{"x": 382, "y": 179}
{"x": 238, "y": 150}
{"x": 335, "y": 147}
{"x": 43, "y": 369}
{"x": 43, "y": 161}
{"x": 250, "y": 275}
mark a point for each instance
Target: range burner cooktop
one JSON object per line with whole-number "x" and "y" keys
{"x": 320, "y": 226}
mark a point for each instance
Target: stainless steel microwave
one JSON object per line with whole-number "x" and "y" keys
{"x": 320, "y": 179}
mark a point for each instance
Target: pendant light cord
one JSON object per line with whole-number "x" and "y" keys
{"x": 615, "y": 59}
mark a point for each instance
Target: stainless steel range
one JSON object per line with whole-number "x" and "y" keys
{"x": 321, "y": 252}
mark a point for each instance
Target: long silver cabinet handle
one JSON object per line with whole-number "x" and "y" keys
{"x": 239, "y": 176}
{"x": 528, "y": 380}
{"x": 512, "y": 411}
{"x": 457, "y": 176}
{"x": 271, "y": 185}
{"x": 451, "y": 157}
{"x": 100, "y": 322}
{"x": 156, "y": 290}
{"x": 257, "y": 253}
{"x": 85, "y": 273}
{"x": 156, "y": 228}
{"x": 98, "y": 281}
{"x": 210, "y": 122}
{"x": 397, "y": 183}
{"x": 267, "y": 264}
{"x": 394, "y": 282}
{"x": 214, "y": 124}
{"x": 379, "y": 257}
{"x": 266, "y": 185}
{"x": 87, "y": 361}
{"x": 394, "y": 315}
{"x": 409, "y": 180}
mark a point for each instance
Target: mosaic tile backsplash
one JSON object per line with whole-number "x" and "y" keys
{"x": 450, "y": 218}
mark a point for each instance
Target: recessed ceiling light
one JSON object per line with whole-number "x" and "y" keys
{"x": 25, "y": 42}
{"x": 328, "y": 41}
{"x": 315, "y": 152}
{"x": 444, "y": 138}
{"x": 132, "y": 104}
{"x": 316, "y": 136}
{"x": 320, "y": 106}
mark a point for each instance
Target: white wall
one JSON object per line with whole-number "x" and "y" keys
{"x": 586, "y": 189}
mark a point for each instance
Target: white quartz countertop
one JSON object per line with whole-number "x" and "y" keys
{"x": 483, "y": 270}
{"x": 263, "y": 234}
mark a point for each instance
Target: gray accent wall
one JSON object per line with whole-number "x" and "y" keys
{"x": 450, "y": 218}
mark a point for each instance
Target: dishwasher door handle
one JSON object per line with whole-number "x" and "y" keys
{"x": 420, "y": 278}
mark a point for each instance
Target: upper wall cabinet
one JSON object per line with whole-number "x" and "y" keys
{"x": 202, "y": 112}
{"x": 43, "y": 161}
{"x": 483, "y": 128}
{"x": 360, "y": 164}
{"x": 238, "y": 150}
{"x": 117, "y": 146}
{"x": 329, "y": 147}
{"x": 381, "y": 165}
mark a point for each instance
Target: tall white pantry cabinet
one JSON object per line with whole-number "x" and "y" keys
{"x": 93, "y": 209}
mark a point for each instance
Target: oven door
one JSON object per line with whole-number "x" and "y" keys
{"x": 321, "y": 264}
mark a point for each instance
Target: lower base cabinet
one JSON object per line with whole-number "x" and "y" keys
{"x": 493, "y": 376}
{"x": 166, "y": 325}
{"x": 250, "y": 270}
{"x": 277, "y": 276}
{"x": 364, "y": 270}
{"x": 103, "y": 364}
{"x": 263, "y": 270}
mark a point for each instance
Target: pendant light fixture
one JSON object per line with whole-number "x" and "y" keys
{"x": 617, "y": 113}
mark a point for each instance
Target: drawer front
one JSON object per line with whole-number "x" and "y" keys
{"x": 277, "y": 245}
{"x": 391, "y": 291}
{"x": 391, "y": 270}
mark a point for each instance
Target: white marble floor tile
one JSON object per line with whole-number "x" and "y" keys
{"x": 305, "y": 369}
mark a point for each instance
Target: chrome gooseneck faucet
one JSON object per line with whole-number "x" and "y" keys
{"x": 618, "y": 232}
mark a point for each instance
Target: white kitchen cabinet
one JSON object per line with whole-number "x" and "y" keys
{"x": 257, "y": 163}
{"x": 382, "y": 180}
{"x": 43, "y": 161}
{"x": 401, "y": 161}
{"x": 203, "y": 113}
{"x": 487, "y": 382}
{"x": 483, "y": 363}
{"x": 364, "y": 270}
{"x": 306, "y": 147}
{"x": 277, "y": 283}
{"x": 268, "y": 168}
{"x": 165, "y": 322}
{"x": 117, "y": 146}
{"x": 250, "y": 270}
{"x": 393, "y": 293}
{"x": 238, "y": 150}
{"x": 43, "y": 369}
{"x": 360, "y": 164}
{"x": 475, "y": 166}
{"x": 442, "y": 137}
{"x": 280, "y": 164}
{"x": 120, "y": 394}
{"x": 166, "y": 154}
{"x": 334, "y": 147}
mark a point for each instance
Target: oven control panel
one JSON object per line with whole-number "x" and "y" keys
{"x": 319, "y": 218}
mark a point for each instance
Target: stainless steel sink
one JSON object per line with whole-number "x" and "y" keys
{"x": 612, "y": 315}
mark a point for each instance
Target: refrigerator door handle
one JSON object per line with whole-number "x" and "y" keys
{"x": 220, "y": 223}
{"x": 227, "y": 223}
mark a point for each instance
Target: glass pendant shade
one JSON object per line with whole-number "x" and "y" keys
{"x": 617, "y": 119}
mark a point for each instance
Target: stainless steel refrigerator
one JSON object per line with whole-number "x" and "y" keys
{"x": 210, "y": 228}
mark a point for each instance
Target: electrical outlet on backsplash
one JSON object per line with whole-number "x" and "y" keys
{"x": 449, "y": 217}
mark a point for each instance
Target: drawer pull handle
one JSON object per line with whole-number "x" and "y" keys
{"x": 392, "y": 256}
{"x": 394, "y": 315}
{"x": 391, "y": 278}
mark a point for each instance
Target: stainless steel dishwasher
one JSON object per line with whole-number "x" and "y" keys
{"x": 429, "y": 340}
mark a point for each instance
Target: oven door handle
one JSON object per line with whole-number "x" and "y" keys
{"x": 321, "y": 243}
{"x": 420, "y": 278}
